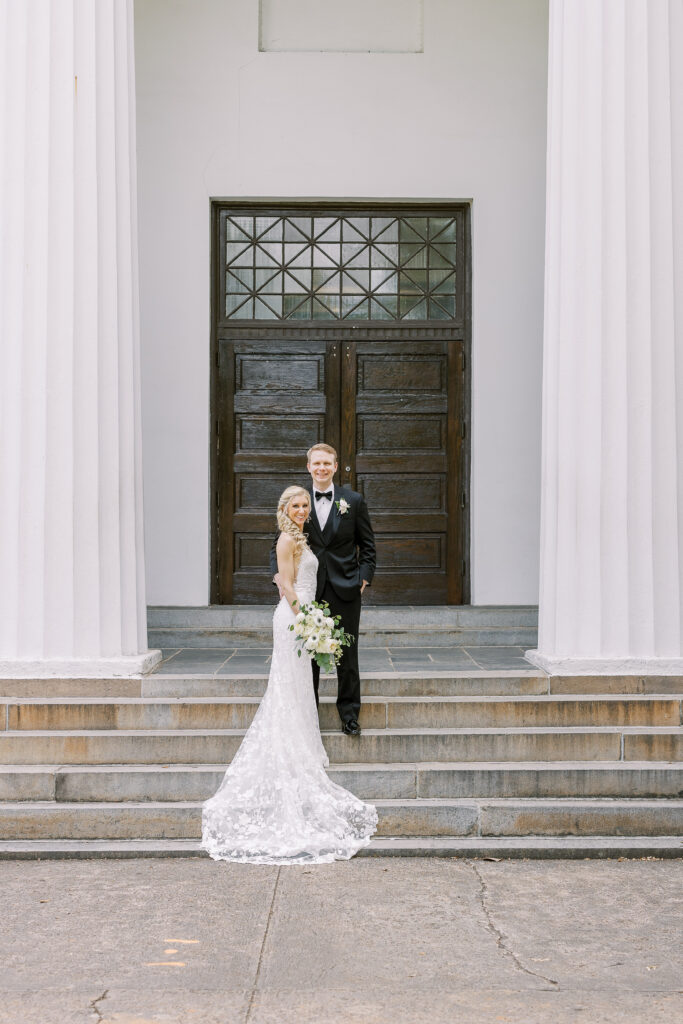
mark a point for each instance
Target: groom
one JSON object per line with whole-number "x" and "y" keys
{"x": 340, "y": 536}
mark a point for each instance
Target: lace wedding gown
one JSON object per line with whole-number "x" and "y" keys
{"x": 276, "y": 804}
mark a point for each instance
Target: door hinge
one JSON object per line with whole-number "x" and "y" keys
{"x": 464, "y": 568}
{"x": 464, "y": 430}
{"x": 463, "y": 500}
{"x": 464, "y": 362}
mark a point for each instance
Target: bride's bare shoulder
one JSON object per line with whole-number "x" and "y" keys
{"x": 285, "y": 543}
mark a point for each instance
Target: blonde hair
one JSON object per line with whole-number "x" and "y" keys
{"x": 321, "y": 447}
{"x": 285, "y": 523}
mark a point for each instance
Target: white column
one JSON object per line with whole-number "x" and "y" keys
{"x": 612, "y": 484}
{"x": 72, "y": 595}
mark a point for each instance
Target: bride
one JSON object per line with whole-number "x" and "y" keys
{"x": 276, "y": 804}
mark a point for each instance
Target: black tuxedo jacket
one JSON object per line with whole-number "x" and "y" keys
{"x": 345, "y": 549}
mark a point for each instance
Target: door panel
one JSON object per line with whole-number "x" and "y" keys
{"x": 397, "y": 432}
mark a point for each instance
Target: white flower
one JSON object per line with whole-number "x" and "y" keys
{"x": 300, "y": 617}
{"x": 319, "y": 619}
{"x": 329, "y": 623}
{"x": 312, "y": 642}
{"x": 343, "y": 506}
{"x": 298, "y": 629}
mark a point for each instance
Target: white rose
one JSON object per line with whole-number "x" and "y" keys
{"x": 333, "y": 645}
{"x": 329, "y": 623}
{"x": 323, "y": 646}
{"x": 300, "y": 617}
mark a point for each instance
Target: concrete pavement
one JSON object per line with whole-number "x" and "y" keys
{"x": 364, "y": 942}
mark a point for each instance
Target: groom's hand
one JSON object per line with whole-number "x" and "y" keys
{"x": 363, "y": 586}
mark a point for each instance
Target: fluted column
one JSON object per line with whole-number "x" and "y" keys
{"x": 72, "y": 595}
{"x": 612, "y": 483}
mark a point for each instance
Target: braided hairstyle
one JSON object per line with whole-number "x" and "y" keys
{"x": 286, "y": 525}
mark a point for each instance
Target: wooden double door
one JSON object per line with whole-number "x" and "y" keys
{"x": 395, "y": 411}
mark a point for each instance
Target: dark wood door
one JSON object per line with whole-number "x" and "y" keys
{"x": 394, "y": 410}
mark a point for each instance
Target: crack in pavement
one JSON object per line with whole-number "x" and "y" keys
{"x": 498, "y": 935}
{"x": 263, "y": 946}
{"x": 94, "y": 1007}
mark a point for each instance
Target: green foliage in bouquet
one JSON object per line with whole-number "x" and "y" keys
{"x": 319, "y": 635}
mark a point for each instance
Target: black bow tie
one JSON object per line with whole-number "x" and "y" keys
{"x": 324, "y": 494}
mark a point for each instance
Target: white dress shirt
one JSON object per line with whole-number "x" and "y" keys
{"x": 323, "y": 506}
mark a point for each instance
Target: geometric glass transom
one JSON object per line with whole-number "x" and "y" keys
{"x": 340, "y": 268}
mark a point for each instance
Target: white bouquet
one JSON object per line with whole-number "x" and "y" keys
{"x": 319, "y": 634}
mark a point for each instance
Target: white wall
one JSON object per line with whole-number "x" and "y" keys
{"x": 463, "y": 120}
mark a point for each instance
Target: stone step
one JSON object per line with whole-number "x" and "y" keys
{"x": 218, "y": 746}
{"x": 399, "y": 684}
{"x": 411, "y": 818}
{"x": 471, "y": 847}
{"x": 461, "y": 780}
{"x": 61, "y": 713}
{"x": 441, "y": 625}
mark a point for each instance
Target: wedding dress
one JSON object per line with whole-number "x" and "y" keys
{"x": 276, "y": 804}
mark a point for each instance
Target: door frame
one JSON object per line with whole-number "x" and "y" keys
{"x": 220, "y": 492}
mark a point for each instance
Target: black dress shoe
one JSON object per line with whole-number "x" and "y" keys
{"x": 351, "y": 728}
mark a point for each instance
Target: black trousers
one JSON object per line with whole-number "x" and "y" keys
{"x": 348, "y": 676}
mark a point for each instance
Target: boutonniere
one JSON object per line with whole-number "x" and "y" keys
{"x": 343, "y": 506}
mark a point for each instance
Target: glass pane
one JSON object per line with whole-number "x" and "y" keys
{"x": 359, "y": 224}
{"x": 323, "y": 281}
{"x": 437, "y": 277}
{"x": 349, "y": 233}
{"x": 292, "y": 251}
{"x": 408, "y": 286}
{"x": 266, "y": 281}
{"x": 247, "y": 276}
{"x": 272, "y": 234}
{"x": 378, "y": 312}
{"x": 407, "y": 302}
{"x": 348, "y": 303}
{"x": 447, "y": 251}
{"x": 235, "y": 249}
{"x": 274, "y": 302}
{"x": 268, "y": 253}
{"x": 418, "y": 225}
{"x": 447, "y": 287}
{"x": 418, "y": 277}
{"x": 245, "y": 312}
{"x": 356, "y": 255}
{"x": 448, "y": 303}
{"x": 292, "y": 233}
{"x": 418, "y": 260}
{"x": 326, "y": 255}
{"x": 327, "y": 227}
{"x": 435, "y": 260}
{"x": 390, "y": 303}
{"x": 263, "y": 224}
{"x": 384, "y": 255}
{"x": 303, "y": 276}
{"x": 292, "y": 302}
{"x": 407, "y": 234}
{"x": 408, "y": 250}
{"x": 350, "y": 285}
{"x": 418, "y": 312}
{"x": 233, "y": 302}
{"x": 303, "y": 259}
{"x": 237, "y": 227}
{"x": 324, "y": 310}
{"x": 262, "y": 312}
{"x": 362, "y": 277}
{"x": 387, "y": 227}
{"x": 233, "y": 285}
{"x": 442, "y": 228}
{"x": 380, "y": 279}
{"x": 361, "y": 312}
{"x": 436, "y": 312}
{"x": 292, "y": 286}
{"x": 302, "y": 312}
{"x": 302, "y": 224}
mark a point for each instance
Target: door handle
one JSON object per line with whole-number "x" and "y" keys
{"x": 347, "y": 469}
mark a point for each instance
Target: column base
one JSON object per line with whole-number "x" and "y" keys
{"x": 124, "y": 666}
{"x": 555, "y": 666}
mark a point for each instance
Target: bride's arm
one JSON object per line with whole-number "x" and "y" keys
{"x": 285, "y": 568}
